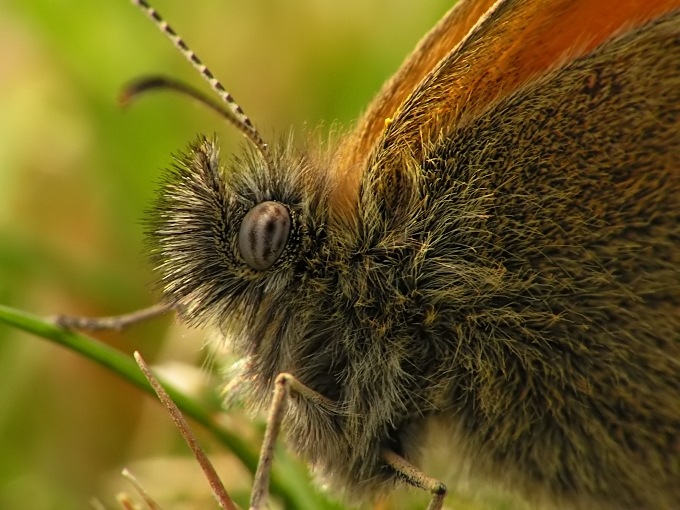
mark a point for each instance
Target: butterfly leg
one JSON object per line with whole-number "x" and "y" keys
{"x": 115, "y": 323}
{"x": 417, "y": 478}
{"x": 284, "y": 385}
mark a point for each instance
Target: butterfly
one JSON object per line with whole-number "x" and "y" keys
{"x": 494, "y": 250}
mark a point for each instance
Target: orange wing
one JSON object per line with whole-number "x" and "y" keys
{"x": 437, "y": 44}
{"x": 457, "y": 76}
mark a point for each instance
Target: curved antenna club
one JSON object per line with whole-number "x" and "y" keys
{"x": 149, "y": 83}
{"x": 242, "y": 122}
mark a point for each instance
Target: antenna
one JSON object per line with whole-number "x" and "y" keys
{"x": 148, "y": 83}
{"x": 234, "y": 114}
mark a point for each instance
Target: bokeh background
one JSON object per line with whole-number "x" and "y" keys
{"x": 76, "y": 175}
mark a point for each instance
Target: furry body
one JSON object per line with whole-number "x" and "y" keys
{"x": 517, "y": 276}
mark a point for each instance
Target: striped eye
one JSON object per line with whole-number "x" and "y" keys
{"x": 263, "y": 234}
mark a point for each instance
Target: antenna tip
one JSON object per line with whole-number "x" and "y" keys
{"x": 125, "y": 97}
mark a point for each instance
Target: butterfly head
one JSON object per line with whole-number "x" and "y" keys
{"x": 225, "y": 236}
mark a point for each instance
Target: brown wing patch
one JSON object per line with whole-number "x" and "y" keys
{"x": 516, "y": 42}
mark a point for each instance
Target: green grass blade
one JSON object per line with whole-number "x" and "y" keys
{"x": 285, "y": 485}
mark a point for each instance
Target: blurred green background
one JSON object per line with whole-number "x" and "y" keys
{"x": 76, "y": 174}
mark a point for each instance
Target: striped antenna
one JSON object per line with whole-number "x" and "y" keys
{"x": 234, "y": 113}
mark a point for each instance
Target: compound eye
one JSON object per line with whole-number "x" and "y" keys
{"x": 263, "y": 234}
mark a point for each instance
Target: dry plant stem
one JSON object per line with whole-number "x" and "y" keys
{"x": 148, "y": 500}
{"x": 283, "y": 386}
{"x": 125, "y": 502}
{"x": 417, "y": 478}
{"x": 115, "y": 323}
{"x": 218, "y": 489}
